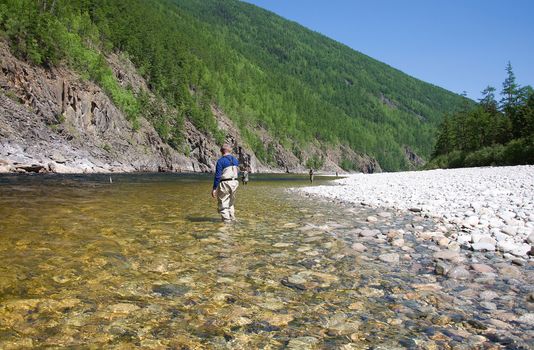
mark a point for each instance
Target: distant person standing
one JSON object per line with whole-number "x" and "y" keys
{"x": 311, "y": 175}
{"x": 244, "y": 177}
{"x": 225, "y": 183}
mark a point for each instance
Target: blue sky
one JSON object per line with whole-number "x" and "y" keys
{"x": 456, "y": 44}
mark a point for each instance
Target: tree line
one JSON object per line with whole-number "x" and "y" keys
{"x": 490, "y": 133}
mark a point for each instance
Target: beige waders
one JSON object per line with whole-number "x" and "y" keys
{"x": 226, "y": 193}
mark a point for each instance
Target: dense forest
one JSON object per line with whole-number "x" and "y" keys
{"x": 268, "y": 74}
{"x": 490, "y": 133}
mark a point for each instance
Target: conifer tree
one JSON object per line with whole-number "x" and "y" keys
{"x": 510, "y": 90}
{"x": 488, "y": 100}
{"x": 490, "y": 133}
{"x": 442, "y": 141}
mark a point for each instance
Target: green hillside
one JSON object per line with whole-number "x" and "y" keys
{"x": 265, "y": 72}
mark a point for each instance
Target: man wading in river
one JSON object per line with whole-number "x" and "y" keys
{"x": 225, "y": 183}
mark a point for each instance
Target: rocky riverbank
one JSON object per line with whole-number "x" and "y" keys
{"x": 481, "y": 209}
{"x": 423, "y": 222}
{"x": 53, "y": 120}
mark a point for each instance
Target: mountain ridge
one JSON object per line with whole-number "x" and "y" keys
{"x": 290, "y": 92}
{"x": 93, "y": 136}
{"x": 204, "y": 12}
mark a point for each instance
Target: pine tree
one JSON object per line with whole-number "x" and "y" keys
{"x": 510, "y": 90}
{"x": 525, "y": 114}
{"x": 443, "y": 145}
{"x": 511, "y": 100}
{"x": 488, "y": 100}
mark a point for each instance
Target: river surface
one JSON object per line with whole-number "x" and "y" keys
{"x": 144, "y": 262}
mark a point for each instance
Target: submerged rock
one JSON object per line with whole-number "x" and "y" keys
{"x": 294, "y": 285}
{"x": 123, "y": 308}
{"x": 510, "y": 271}
{"x": 170, "y": 290}
{"x": 458, "y": 272}
{"x": 340, "y": 324}
{"x": 399, "y": 242}
{"x": 392, "y": 258}
{"x": 447, "y": 255}
{"x": 278, "y": 320}
{"x": 482, "y": 268}
{"x": 259, "y": 327}
{"x": 359, "y": 247}
{"x": 392, "y": 234}
{"x": 442, "y": 268}
{"x": 369, "y": 233}
{"x": 488, "y": 305}
{"x": 302, "y": 343}
{"x": 372, "y": 219}
{"x": 527, "y": 319}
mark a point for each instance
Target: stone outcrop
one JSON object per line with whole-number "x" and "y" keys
{"x": 362, "y": 162}
{"x": 51, "y": 120}
{"x": 413, "y": 159}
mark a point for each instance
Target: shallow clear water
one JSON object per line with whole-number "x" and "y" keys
{"x": 145, "y": 262}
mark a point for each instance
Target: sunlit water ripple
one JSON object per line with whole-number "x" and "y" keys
{"x": 145, "y": 262}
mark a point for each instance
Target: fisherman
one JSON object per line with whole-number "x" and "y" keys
{"x": 244, "y": 176}
{"x": 225, "y": 183}
{"x": 311, "y": 175}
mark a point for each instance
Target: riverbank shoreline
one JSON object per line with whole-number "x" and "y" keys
{"x": 425, "y": 247}
{"x": 41, "y": 168}
{"x": 480, "y": 209}
{"x": 13, "y": 169}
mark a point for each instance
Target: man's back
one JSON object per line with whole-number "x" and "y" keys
{"x": 226, "y": 168}
{"x": 225, "y": 183}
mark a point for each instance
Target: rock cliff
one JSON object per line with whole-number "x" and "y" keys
{"x": 51, "y": 120}
{"x": 413, "y": 159}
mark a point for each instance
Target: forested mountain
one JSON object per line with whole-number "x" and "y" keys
{"x": 269, "y": 75}
{"x": 490, "y": 133}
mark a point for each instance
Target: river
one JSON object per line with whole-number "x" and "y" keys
{"x": 144, "y": 262}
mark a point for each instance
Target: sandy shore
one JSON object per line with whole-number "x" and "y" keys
{"x": 483, "y": 209}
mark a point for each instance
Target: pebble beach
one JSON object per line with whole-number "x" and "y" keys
{"x": 469, "y": 233}
{"x": 482, "y": 209}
